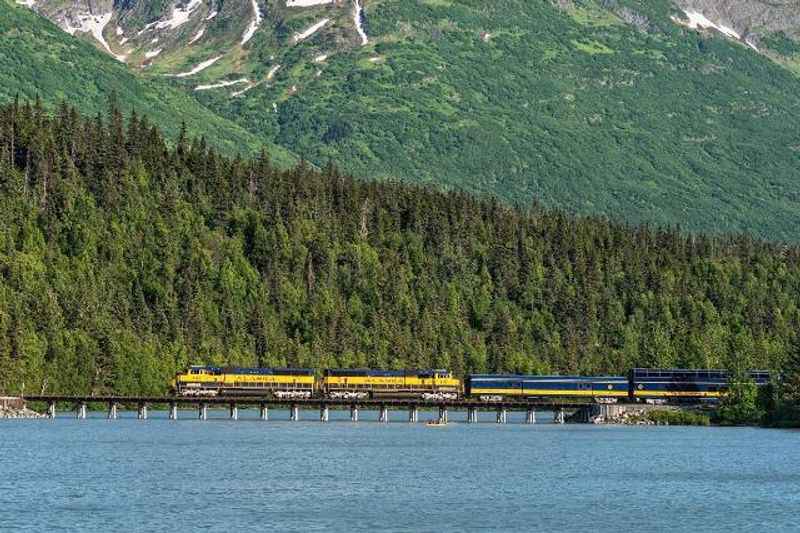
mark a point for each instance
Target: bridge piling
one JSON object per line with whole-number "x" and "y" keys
{"x": 559, "y": 417}
{"x": 234, "y": 410}
{"x": 472, "y": 415}
{"x": 413, "y": 415}
{"x": 264, "y": 411}
{"x": 51, "y": 410}
{"x": 354, "y": 413}
{"x": 383, "y": 415}
{"x": 502, "y": 416}
{"x": 203, "y": 411}
{"x": 530, "y": 417}
{"x": 324, "y": 414}
{"x": 173, "y": 411}
{"x": 81, "y": 411}
{"x": 442, "y": 414}
{"x": 294, "y": 413}
{"x": 112, "y": 410}
{"x": 142, "y": 412}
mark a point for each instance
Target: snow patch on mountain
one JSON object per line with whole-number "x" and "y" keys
{"x": 197, "y": 35}
{"x": 358, "y": 19}
{"x": 199, "y": 68}
{"x": 698, "y": 21}
{"x": 308, "y": 3}
{"x": 180, "y": 16}
{"x": 94, "y": 24}
{"x": 27, "y": 3}
{"x": 310, "y": 31}
{"x": 272, "y": 71}
{"x": 240, "y": 92}
{"x": 225, "y": 83}
{"x": 254, "y": 24}
{"x": 320, "y": 58}
{"x": 153, "y": 53}
{"x": 211, "y": 15}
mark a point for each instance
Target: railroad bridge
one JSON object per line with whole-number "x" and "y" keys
{"x": 324, "y": 405}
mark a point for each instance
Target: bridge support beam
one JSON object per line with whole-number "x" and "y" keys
{"x": 264, "y": 412}
{"x": 472, "y": 415}
{"x": 354, "y": 413}
{"x": 142, "y": 412}
{"x": 81, "y": 411}
{"x": 51, "y": 410}
{"x": 559, "y": 417}
{"x": 173, "y": 411}
{"x": 530, "y": 417}
{"x": 234, "y": 411}
{"x": 413, "y": 415}
{"x": 502, "y": 416}
{"x": 203, "y": 411}
{"x": 324, "y": 414}
{"x": 294, "y": 413}
{"x": 112, "y": 410}
{"x": 383, "y": 415}
{"x": 443, "y": 415}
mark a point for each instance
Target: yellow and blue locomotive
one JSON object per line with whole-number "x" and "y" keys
{"x": 281, "y": 383}
{"x": 368, "y": 383}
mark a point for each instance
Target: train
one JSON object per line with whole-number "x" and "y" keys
{"x": 280, "y": 383}
{"x": 640, "y": 385}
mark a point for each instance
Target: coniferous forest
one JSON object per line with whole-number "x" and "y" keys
{"x": 124, "y": 258}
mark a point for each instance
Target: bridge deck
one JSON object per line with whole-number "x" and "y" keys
{"x": 512, "y": 405}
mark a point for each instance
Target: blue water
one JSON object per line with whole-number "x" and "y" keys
{"x": 222, "y": 475}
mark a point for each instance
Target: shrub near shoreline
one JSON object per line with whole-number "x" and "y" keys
{"x": 669, "y": 417}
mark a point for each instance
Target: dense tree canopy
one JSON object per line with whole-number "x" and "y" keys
{"x": 123, "y": 259}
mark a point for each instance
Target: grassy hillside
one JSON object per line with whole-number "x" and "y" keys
{"x": 576, "y": 107}
{"x": 37, "y": 58}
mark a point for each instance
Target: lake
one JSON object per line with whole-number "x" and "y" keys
{"x": 222, "y": 475}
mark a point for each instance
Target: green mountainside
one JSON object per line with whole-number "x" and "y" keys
{"x": 576, "y": 108}
{"x": 38, "y": 59}
{"x": 123, "y": 261}
{"x": 627, "y": 108}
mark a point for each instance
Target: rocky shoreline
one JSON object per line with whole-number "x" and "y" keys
{"x": 13, "y": 412}
{"x": 640, "y": 415}
{"x": 13, "y": 407}
{"x": 629, "y": 417}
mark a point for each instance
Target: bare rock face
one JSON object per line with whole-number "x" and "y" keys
{"x": 184, "y": 37}
{"x": 750, "y": 17}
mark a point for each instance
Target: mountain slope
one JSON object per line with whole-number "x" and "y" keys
{"x": 673, "y": 113}
{"x": 577, "y": 108}
{"x": 38, "y": 59}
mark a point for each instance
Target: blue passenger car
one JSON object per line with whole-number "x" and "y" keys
{"x": 525, "y": 386}
{"x": 678, "y": 383}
